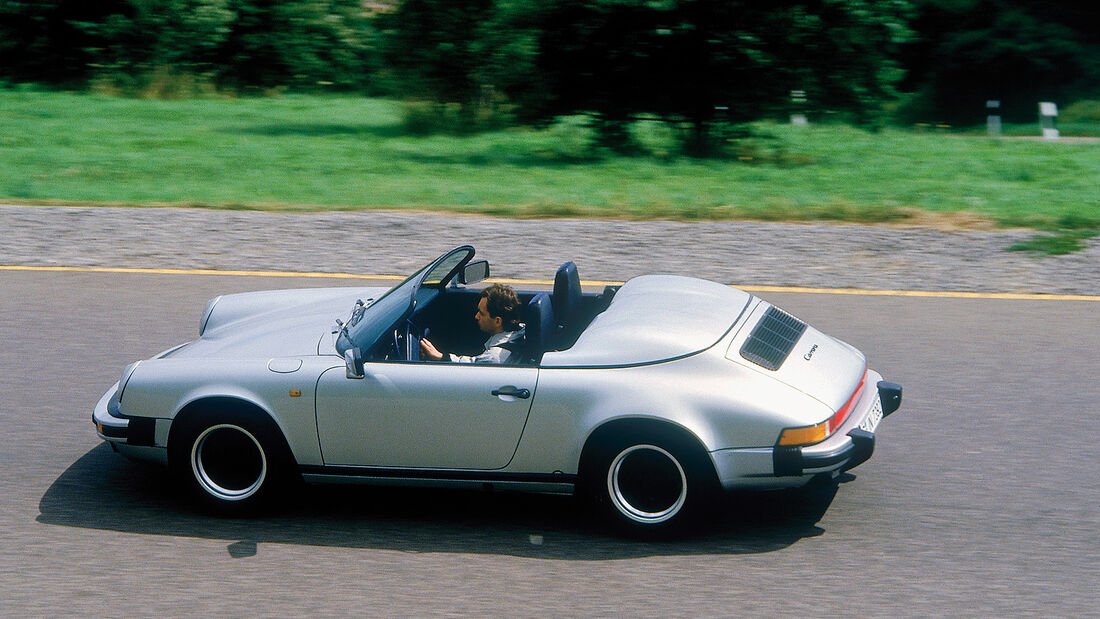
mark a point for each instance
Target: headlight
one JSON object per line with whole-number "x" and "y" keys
{"x": 209, "y": 309}
{"x": 126, "y": 374}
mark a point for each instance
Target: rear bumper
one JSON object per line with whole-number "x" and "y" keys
{"x": 766, "y": 468}
{"x": 797, "y": 461}
{"x": 793, "y": 462}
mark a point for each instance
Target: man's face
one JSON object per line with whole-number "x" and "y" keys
{"x": 486, "y": 323}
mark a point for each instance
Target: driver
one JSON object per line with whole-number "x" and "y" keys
{"x": 497, "y": 315}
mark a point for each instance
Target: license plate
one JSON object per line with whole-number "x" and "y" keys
{"x": 870, "y": 422}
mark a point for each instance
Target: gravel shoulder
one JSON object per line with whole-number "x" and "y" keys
{"x": 746, "y": 253}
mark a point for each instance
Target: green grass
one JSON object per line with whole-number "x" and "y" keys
{"x": 1056, "y": 244}
{"x": 313, "y": 152}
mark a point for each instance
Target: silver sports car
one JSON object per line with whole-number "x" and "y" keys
{"x": 645, "y": 399}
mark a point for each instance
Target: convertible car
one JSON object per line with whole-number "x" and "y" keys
{"x": 644, "y": 399}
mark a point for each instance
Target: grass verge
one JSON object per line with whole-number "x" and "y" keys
{"x": 335, "y": 153}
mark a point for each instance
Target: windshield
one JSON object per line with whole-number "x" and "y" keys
{"x": 391, "y": 307}
{"x": 444, "y": 269}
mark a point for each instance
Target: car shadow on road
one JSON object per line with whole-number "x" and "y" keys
{"x": 103, "y": 491}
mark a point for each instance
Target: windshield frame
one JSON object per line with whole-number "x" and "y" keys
{"x": 398, "y": 302}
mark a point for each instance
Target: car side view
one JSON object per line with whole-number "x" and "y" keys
{"x": 644, "y": 399}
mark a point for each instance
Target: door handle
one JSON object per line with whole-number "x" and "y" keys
{"x": 522, "y": 394}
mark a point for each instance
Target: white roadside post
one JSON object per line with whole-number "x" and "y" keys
{"x": 1047, "y": 113}
{"x": 993, "y": 118}
{"x": 798, "y": 103}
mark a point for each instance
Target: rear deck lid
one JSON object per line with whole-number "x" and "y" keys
{"x": 780, "y": 345}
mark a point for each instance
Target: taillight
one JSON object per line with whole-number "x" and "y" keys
{"x": 841, "y": 415}
{"x": 808, "y": 435}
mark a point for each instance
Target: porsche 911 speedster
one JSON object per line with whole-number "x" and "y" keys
{"x": 644, "y": 399}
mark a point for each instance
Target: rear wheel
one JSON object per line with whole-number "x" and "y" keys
{"x": 644, "y": 485}
{"x": 647, "y": 484}
{"x": 231, "y": 463}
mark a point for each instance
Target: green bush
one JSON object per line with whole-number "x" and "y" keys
{"x": 430, "y": 118}
{"x": 1087, "y": 111}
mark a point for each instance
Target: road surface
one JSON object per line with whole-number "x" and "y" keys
{"x": 981, "y": 498}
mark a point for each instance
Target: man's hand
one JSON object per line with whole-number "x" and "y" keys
{"x": 429, "y": 352}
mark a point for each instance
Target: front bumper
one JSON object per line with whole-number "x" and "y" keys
{"x": 798, "y": 461}
{"x": 138, "y": 438}
{"x": 110, "y": 425}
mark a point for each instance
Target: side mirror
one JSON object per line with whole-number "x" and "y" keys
{"x": 354, "y": 361}
{"x": 474, "y": 272}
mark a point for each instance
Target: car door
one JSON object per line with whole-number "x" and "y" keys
{"x": 424, "y": 415}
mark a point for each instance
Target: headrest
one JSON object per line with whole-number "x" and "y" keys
{"x": 540, "y": 325}
{"x": 567, "y": 294}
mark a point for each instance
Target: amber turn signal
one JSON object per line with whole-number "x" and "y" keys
{"x": 806, "y": 435}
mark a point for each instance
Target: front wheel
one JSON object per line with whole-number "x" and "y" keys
{"x": 646, "y": 486}
{"x": 230, "y": 463}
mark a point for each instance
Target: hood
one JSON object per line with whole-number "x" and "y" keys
{"x": 781, "y": 346}
{"x": 272, "y": 323}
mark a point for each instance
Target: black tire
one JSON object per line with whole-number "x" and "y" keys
{"x": 648, "y": 485}
{"x": 231, "y": 463}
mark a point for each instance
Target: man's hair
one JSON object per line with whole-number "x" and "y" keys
{"x": 502, "y": 301}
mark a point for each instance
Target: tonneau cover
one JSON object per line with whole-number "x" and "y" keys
{"x": 654, "y": 318}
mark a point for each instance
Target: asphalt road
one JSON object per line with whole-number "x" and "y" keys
{"x": 981, "y": 499}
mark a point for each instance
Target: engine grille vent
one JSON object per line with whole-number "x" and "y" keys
{"x": 773, "y": 338}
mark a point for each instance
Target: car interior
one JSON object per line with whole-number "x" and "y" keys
{"x": 553, "y": 320}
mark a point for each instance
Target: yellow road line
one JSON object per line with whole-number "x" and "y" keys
{"x": 202, "y": 272}
{"x": 926, "y": 293}
{"x": 541, "y": 282}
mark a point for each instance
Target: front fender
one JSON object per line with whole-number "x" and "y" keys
{"x": 163, "y": 388}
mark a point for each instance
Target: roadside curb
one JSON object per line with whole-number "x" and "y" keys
{"x": 548, "y": 283}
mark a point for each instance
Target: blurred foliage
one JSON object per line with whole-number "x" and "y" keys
{"x": 435, "y": 47}
{"x": 702, "y": 65}
{"x": 459, "y": 55}
{"x": 705, "y": 65}
{"x": 42, "y": 41}
{"x": 704, "y": 68}
{"x": 159, "y": 47}
{"x": 302, "y": 44}
{"x": 1084, "y": 111}
{"x": 1018, "y": 52}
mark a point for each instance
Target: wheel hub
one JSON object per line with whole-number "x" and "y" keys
{"x": 228, "y": 462}
{"x": 647, "y": 484}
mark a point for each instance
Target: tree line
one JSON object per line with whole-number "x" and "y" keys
{"x": 704, "y": 65}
